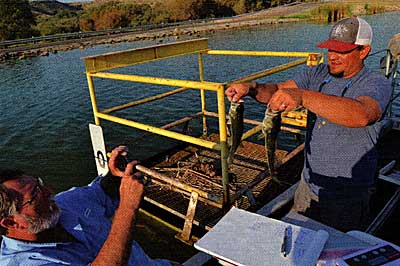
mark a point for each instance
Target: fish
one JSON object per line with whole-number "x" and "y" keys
{"x": 270, "y": 127}
{"x": 235, "y": 128}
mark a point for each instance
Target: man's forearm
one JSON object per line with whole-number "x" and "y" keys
{"x": 117, "y": 247}
{"x": 338, "y": 110}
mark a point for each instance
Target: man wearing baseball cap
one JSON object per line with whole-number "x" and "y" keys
{"x": 346, "y": 103}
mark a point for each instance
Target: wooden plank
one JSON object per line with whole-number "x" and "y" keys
{"x": 187, "y": 228}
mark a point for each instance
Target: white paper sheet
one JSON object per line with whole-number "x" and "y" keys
{"x": 245, "y": 238}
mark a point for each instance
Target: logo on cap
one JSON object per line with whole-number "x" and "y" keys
{"x": 339, "y": 32}
{"x": 347, "y": 34}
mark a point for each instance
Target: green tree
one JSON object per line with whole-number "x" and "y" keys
{"x": 240, "y": 7}
{"x": 193, "y": 9}
{"x": 114, "y": 14}
{"x": 244, "y": 6}
{"x": 63, "y": 22}
{"x": 16, "y": 20}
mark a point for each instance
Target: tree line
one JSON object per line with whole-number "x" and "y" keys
{"x": 18, "y": 21}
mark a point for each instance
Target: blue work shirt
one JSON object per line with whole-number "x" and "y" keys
{"x": 85, "y": 214}
{"x": 341, "y": 159}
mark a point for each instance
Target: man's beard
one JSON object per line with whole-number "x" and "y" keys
{"x": 337, "y": 75}
{"x": 44, "y": 221}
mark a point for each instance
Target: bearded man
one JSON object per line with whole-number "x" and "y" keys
{"x": 74, "y": 228}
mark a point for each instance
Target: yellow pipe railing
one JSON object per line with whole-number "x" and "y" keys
{"x": 93, "y": 98}
{"x": 257, "y": 53}
{"x": 160, "y": 131}
{"x": 145, "y": 100}
{"x": 212, "y": 86}
{"x": 223, "y": 145}
{"x": 312, "y": 58}
{"x": 202, "y": 94}
{"x": 269, "y": 71}
{"x": 96, "y": 64}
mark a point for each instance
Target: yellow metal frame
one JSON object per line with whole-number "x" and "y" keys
{"x": 97, "y": 65}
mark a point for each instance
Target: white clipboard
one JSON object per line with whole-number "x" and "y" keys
{"x": 245, "y": 238}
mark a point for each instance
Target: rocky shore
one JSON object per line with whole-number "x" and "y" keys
{"x": 160, "y": 35}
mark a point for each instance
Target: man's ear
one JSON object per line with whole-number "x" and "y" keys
{"x": 365, "y": 51}
{"x": 9, "y": 223}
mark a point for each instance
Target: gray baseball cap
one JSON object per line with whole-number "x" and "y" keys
{"x": 347, "y": 34}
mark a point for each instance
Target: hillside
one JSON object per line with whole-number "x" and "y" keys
{"x": 52, "y": 7}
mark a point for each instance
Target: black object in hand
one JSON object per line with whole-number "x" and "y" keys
{"x": 121, "y": 162}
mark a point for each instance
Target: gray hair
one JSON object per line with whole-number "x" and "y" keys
{"x": 8, "y": 199}
{"x": 8, "y": 202}
{"x": 8, "y": 205}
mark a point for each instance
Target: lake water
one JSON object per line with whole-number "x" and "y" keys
{"x": 45, "y": 106}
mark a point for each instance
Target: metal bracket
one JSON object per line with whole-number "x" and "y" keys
{"x": 187, "y": 228}
{"x": 388, "y": 174}
{"x": 383, "y": 215}
{"x": 387, "y": 168}
{"x": 250, "y": 197}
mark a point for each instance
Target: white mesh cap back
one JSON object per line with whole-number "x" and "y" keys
{"x": 364, "y": 35}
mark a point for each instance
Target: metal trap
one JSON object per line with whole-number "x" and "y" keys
{"x": 195, "y": 182}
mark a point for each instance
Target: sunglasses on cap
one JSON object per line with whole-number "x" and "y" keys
{"x": 35, "y": 191}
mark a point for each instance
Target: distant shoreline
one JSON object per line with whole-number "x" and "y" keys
{"x": 158, "y": 35}
{"x": 278, "y": 15}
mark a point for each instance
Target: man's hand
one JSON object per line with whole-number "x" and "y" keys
{"x": 260, "y": 92}
{"x": 112, "y": 162}
{"x": 131, "y": 189}
{"x": 236, "y": 92}
{"x": 116, "y": 250}
{"x": 286, "y": 99}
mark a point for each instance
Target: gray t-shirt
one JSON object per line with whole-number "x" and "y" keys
{"x": 339, "y": 158}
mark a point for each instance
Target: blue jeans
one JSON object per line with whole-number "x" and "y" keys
{"x": 343, "y": 211}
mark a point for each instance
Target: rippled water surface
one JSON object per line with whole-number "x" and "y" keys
{"x": 45, "y": 107}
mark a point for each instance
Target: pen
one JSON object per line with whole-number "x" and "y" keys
{"x": 284, "y": 246}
